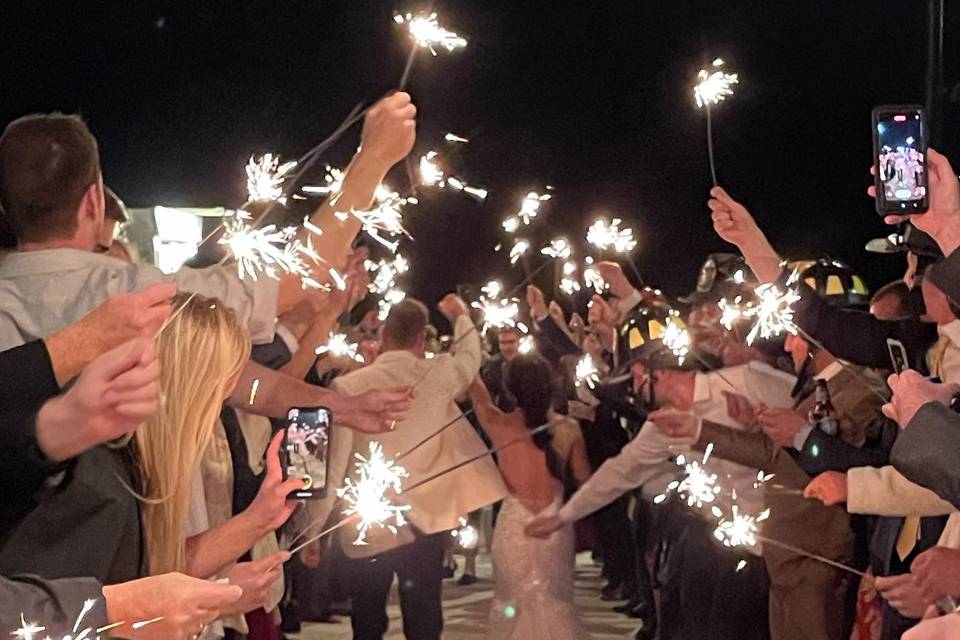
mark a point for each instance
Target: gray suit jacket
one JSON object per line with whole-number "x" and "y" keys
{"x": 928, "y": 451}
{"x": 946, "y": 275}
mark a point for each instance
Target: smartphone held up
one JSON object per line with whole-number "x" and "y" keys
{"x": 305, "y": 450}
{"x": 899, "y": 157}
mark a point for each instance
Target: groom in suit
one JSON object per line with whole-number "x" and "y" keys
{"x": 415, "y": 553}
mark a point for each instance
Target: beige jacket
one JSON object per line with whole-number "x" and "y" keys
{"x": 436, "y": 506}
{"x": 884, "y": 492}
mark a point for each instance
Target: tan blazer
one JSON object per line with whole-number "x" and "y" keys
{"x": 436, "y": 506}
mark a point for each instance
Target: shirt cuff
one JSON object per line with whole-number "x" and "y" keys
{"x": 800, "y": 439}
{"x": 288, "y": 338}
{"x": 630, "y": 301}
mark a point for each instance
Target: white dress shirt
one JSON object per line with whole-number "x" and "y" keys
{"x": 438, "y": 505}
{"x": 41, "y": 292}
{"x": 639, "y": 460}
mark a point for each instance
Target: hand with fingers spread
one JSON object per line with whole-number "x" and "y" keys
{"x": 255, "y": 578}
{"x": 903, "y": 594}
{"x": 182, "y": 606}
{"x": 911, "y": 391}
{"x": 389, "y": 129}
{"x": 543, "y": 526}
{"x": 375, "y": 411}
{"x": 110, "y": 399}
{"x": 780, "y": 424}
{"x": 537, "y": 302}
{"x": 937, "y": 572}
{"x": 830, "y": 488}
{"x": 740, "y": 409}
{"x": 119, "y": 319}
{"x": 675, "y": 423}
{"x": 272, "y": 506}
{"x": 942, "y": 219}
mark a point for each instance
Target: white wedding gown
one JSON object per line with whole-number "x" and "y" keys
{"x": 533, "y": 594}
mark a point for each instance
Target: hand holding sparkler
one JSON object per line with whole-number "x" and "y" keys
{"x": 453, "y": 307}
{"x": 612, "y": 273}
{"x": 537, "y": 302}
{"x": 676, "y": 424}
{"x": 733, "y": 223}
{"x": 830, "y": 488}
{"x": 255, "y": 578}
{"x": 374, "y": 411}
{"x": 389, "y": 130}
{"x": 179, "y": 605}
{"x": 781, "y": 424}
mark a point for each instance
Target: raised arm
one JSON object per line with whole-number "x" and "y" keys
{"x": 389, "y": 132}
{"x": 462, "y": 367}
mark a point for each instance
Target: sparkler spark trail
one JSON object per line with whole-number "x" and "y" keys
{"x": 452, "y": 137}
{"x": 730, "y": 312}
{"x": 338, "y": 345}
{"x": 497, "y": 313}
{"x": 530, "y": 206}
{"x": 492, "y": 289}
{"x": 27, "y": 630}
{"x": 386, "y": 273}
{"x": 606, "y": 236}
{"x": 430, "y": 172}
{"x": 520, "y": 248}
{"x": 333, "y": 181}
{"x": 698, "y": 485}
{"x": 773, "y": 313}
{"x": 587, "y": 372}
{"x": 713, "y": 87}
{"x": 366, "y": 497}
{"x": 265, "y": 177}
{"x": 427, "y": 33}
{"x": 527, "y": 345}
{"x": 558, "y": 248}
{"x": 740, "y": 529}
{"x": 677, "y": 339}
{"x": 592, "y": 277}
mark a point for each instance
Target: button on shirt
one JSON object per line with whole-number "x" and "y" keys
{"x": 41, "y": 292}
{"x": 639, "y": 460}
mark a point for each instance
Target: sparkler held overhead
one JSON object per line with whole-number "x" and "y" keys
{"x": 712, "y": 88}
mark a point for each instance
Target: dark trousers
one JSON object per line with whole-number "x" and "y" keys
{"x": 706, "y": 597}
{"x": 419, "y": 568}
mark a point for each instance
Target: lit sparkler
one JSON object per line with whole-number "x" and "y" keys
{"x": 339, "y": 346}
{"x": 610, "y": 236}
{"x": 699, "y": 484}
{"x": 385, "y": 273}
{"x": 428, "y": 33}
{"x": 677, "y": 339}
{"x": 467, "y": 535}
{"x": 530, "y": 206}
{"x": 391, "y": 297}
{"x": 592, "y": 277}
{"x": 568, "y": 284}
{"x": 511, "y": 224}
{"x": 587, "y": 372}
{"x": 558, "y": 248}
{"x": 452, "y": 137}
{"x": 265, "y": 178}
{"x": 730, "y": 312}
{"x": 498, "y": 313}
{"x": 527, "y": 345}
{"x": 333, "y": 181}
{"x": 366, "y": 497}
{"x": 478, "y": 193}
{"x": 431, "y": 174}
{"x": 740, "y": 529}
{"x": 492, "y": 289}
{"x": 713, "y": 87}
{"x": 520, "y": 248}
{"x": 773, "y": 313}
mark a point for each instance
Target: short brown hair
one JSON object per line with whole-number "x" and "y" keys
{"x": 115, "y": 209}
{"x": 405, "y": 322}
{"x": 47, "y": 163}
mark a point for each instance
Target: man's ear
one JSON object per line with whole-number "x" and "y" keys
{"x": 92, "y": 204}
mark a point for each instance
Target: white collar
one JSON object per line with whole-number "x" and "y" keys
{"x": 951, "y": 330}
{"x": 30, "y": 263}
{"x": 830, "y": 372}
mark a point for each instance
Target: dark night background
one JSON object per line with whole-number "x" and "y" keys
{"x": 591, "y": 97}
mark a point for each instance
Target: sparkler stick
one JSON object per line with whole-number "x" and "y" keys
{"x": 856, "y": 374}
{"x": 713, "y": 88}
{"x": 488, "y": 452}
{"x": 808, "y": 554}
{"x": 351, "y": 520}
{"x": 433, "y": 435}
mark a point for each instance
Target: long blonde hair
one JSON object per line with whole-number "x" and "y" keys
{"x": 201, "y": 351}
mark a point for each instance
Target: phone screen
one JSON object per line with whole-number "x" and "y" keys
{"x": 898, "y": 355}
{"x": 900, "y": 146}
{"x": 306, "y": 446}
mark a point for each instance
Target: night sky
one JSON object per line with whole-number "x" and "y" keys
{"x": 591, "y": 97}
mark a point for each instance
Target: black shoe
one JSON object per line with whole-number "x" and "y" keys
{"x": 449, "y": 571}
{"x": 466, "y": 580}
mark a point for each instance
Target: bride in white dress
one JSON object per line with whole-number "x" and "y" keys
{"x": 533, "y": 595}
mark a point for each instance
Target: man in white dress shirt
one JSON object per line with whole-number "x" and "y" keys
{"x": 721, "y": 612}
{"x": 415, "y": 552}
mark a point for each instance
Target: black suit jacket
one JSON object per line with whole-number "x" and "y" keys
{"x": 928, "y": 451}
{"x": 54, "y": 604}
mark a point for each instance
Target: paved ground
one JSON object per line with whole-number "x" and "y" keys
{"x": 466, "y": 608}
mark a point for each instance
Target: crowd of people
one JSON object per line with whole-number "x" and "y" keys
{"x": 144, "y": 420}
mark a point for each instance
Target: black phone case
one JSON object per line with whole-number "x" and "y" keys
{"x": 883, "y": 208}
{"x": 314, "y": 493}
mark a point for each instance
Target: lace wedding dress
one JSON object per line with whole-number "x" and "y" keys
{"x": 533, "y": 594}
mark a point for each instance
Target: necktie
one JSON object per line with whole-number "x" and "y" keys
{"x": 909, "y": 535}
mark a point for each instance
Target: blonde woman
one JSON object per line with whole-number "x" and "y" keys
{"x": 201, "y": 354}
